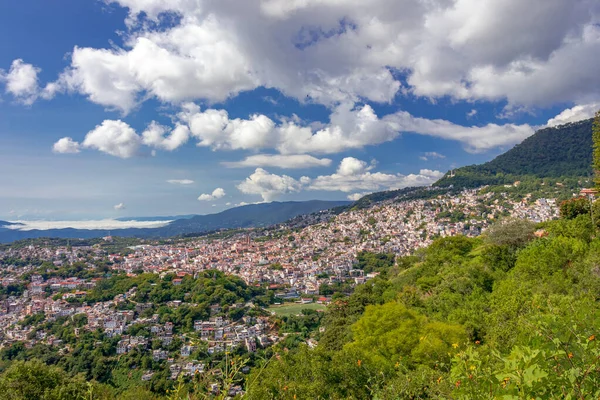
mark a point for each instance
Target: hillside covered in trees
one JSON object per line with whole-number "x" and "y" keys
{"x": 508, "y": 315}
{"x": 558, "y": 152}
{"x": 565, "y": 150}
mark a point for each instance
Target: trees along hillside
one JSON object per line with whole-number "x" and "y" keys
{"x": 506, "y": 315}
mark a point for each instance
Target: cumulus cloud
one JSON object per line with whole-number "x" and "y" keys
{"x": 116, "y": 138}
{"x": 353, "y": 174}
{"x": 154, "y": 136}
{"x": 106, "y": 224}
{"x": 575, "y": 114}
{"x": 357, "y": 196}
{"x": 66, "y": 145}
{"x": 270, "y": 186}
{"x": 333, "y": 52}
{"x": 119, "y": 207}
{"x": 216, "y": 194}
{"x": 180, "y": 181}
{"x": 289, "y": 161}
{"x": 214, "y": 129}
{"x": 350, "y": 127}
{"x": 352, "y": 166}
{"x": 22, "y": 81}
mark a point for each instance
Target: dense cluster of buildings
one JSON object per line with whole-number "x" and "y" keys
{"x": 294, "y": 261}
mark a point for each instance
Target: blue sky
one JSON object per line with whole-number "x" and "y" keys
{"x": 154, "y": 107}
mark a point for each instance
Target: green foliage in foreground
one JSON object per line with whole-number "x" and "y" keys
{"x": 505, "y": 316}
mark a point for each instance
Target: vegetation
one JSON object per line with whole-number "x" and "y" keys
{"x": 596, "y": 149}
{"x": 288, "y": 309}
{"x": 551, "y": 152}
{"x": 507, "y": 315}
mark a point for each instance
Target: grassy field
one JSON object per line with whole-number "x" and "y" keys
{"x": 293, "y": 308}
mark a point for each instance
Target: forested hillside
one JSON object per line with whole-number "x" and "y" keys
{"x": 565, "y": 150}
{"x": 504, "y": 316}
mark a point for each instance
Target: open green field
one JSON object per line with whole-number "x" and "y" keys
{"x": 293, "y": 308}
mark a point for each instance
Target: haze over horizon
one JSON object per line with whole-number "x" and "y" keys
{"x": 125, "y": 108}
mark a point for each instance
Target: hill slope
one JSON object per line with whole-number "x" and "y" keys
{"x": 565, "y": 150}
{"x": 253, "y": 215}
{"x": 555, "y": 152}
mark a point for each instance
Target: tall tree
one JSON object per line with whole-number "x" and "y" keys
{"x": 596, "y": 139}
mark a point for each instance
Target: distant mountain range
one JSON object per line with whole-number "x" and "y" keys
{"x": 249, "y": 216}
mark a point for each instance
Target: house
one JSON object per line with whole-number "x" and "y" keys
{"x": 158, "y": 355}
{"x": 122, "y": 346}
{"x": 147, "y": 376}
{"x": 187, "y": 350}
{"x": 250, "y": 345}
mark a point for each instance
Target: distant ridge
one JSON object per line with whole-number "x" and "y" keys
{"x": 248, "y": 216}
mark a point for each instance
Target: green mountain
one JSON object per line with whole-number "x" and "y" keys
{"x": 564, "y": 150}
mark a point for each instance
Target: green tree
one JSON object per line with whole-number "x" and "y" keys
{"x": 596, "y": 145}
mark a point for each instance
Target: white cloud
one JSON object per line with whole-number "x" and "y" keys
{"x": 575, "y": 114}
{"x": 154, "y": 136}
{"x": 214, "y": 129}
{"x": 107, "y": 224}
{"x": 119, "y": 207}
{"x": 342, "y": 51}
{"x": 472, "y": 113}
{"x": 349, "y": 128}
{"x": 22, "y": 81}
{"x": 353, "y": 174}
{"x": 357, "y": 196}
{"x": 431, "y": 155}
{"x": 352, "y": 166}
{"x": 115, "y": 138}
{"x": 475, "y": 138}
{"x": 199, "y": 59}
{"x": 290, "y": 161}
{"x": 216, "y": 194}
{"x": 269, "y": 186}
{"x": 434, "y": 154}
{"x": 180, "y": 181}
{"x": 66, "y": 145}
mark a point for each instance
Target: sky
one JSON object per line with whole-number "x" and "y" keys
{"x": 114, "y": 109}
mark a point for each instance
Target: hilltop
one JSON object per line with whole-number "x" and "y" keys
{"x": 564, "y": 150}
